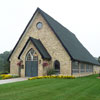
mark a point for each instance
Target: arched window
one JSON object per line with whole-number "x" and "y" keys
{"x": 57, "y": 66}
{"x": 31, "y": 55}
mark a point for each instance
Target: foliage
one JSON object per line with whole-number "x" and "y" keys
{"x": 4, "y": 72}
{"x": 7, "y": 76}
{"x": 45, "y": 64}
{"x": 50, "y": 71}
{"x": 4, "y": 64}
{"x": 53, "y": 76}
{"x": 0, "y": 77}
{"x": 99, "y": 59}
{"x": 20, "y": 63}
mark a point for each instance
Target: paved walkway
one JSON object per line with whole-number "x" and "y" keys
{"x": 12, "y": 80}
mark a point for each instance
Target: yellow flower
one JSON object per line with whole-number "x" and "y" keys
{"x": 53, "y": 76}
{"x": 29, "y": 78}
{"x": 6, "y": 76}
{"x": 3, "y": 75}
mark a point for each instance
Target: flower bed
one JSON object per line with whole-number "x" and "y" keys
{"x": 54, "y": 76}
{"x": 8, "y": 76}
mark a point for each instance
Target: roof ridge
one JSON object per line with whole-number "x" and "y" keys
{"x": 41, "y": 11}
{"x": 69, "y": 41}
{"x": 39, "y": 46}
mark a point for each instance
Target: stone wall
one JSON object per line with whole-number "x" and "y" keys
{"x": 49, "y": 40}
{"x": 96, "y": 69}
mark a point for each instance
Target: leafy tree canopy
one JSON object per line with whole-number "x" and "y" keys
{"x": 99, "y": 59}
{"x": 4, "y": 64}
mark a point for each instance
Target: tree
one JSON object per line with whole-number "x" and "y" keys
{"x": 99, "y": 59}
{"x": 4, "y": 64}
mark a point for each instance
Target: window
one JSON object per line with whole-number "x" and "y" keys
{"x": 89, "y": 68}
{"x": 35, "y": 56}
{"x": 39, "y": 25}
{"x": 75, "y": 67}
{"x": 31, "y": 56}
{"x": 57, "y": 66}
{"x": 82, "y": 68}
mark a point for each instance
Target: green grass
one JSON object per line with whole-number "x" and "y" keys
{"x": 0, "y": 78}
{"x": 85, "y": 88}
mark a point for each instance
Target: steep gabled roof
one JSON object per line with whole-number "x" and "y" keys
{"x": 68, "y": 40}
{"x": 39, "y": 46}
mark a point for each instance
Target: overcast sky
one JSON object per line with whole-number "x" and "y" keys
{"x": 82, "y": 17}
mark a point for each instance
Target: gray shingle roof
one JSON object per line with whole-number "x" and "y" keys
{"x": 69, "y": 41}
{"x": 39, "y": 46}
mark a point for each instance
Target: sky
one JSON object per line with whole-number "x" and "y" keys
{"x": 82, "y": 17}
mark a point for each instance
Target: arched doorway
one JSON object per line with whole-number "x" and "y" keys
{"x": 31, "y": 64}
{"x": 57, "y": 66}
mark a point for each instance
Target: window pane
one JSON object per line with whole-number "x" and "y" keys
{"x": 28, "y": 57}
{"x": 82, "y": 68}
{"x": 31, "y": 55}
{"x": 35, "y": 58}
{"x": 75, "y": 67}
{"x": 57, "y": 66}
{"x": 89, "y": 68}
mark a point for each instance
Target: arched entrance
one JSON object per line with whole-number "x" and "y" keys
{"x": 57, "y": 66}
{"x": 31, "y": 64}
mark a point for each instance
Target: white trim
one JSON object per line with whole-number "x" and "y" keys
{"x": 32, "y": 55}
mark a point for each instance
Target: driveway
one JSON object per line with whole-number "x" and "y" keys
{"x": 12, "y": 80}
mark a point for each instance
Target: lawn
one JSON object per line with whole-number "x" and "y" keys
{"x": 85, "y": 88}
{"x": 0, "y": 78}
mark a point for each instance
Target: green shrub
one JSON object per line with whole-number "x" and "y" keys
{"x": 0, "y": 77}
{"x": 50, "y": 71}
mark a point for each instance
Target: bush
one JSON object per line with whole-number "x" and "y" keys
{"x": 0, "y": 77}
{"x": 4, "y": 72}
{"x": 53, "y": 76}
{"x": 50, "y": 71}
{"x": 8, "y": 76}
